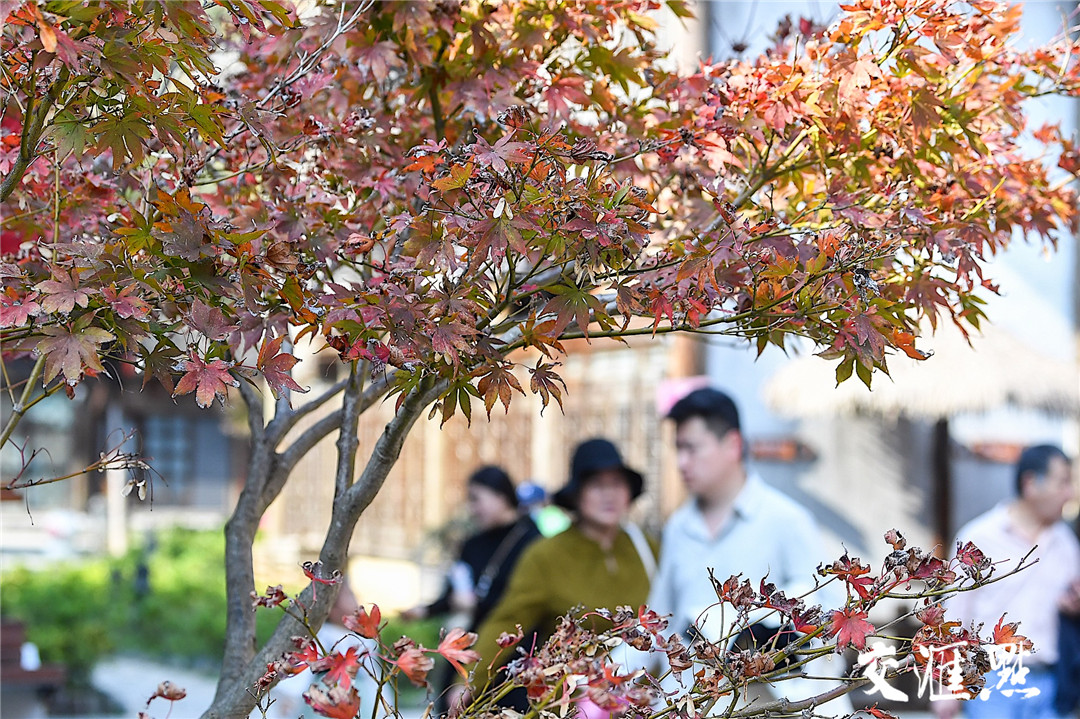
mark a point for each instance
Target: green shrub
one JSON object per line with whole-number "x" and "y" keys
{"x": 68, "y": 613}
{"x": 77, "y": 614}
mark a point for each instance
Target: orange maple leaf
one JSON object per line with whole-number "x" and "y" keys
{"x": 1005, "y": 634}
{"x": 416, "y": 665}
{"x": 455, "y": 648}
{"x": 425, "y": 163}
{"x": 906, "y": 342}
{"x": 363, "y": 623}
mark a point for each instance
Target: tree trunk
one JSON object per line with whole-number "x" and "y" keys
{"x": 239, "y": 570}
{"x": 235, "y": 697}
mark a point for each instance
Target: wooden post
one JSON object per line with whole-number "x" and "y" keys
{"x": 942, "y": 489}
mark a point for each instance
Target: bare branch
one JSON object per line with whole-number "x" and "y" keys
{"x": 287, "y": 460}
{"x": 786, "y": 707}
{"x": 348, "y": 441}
{"x": 254, "y": 403}
{"x": 20, "y": 407}
{"x": 234, "y": 698}
{"x": 315, "y": 433}
{"x": 388, "y": 448}
{"x": 282, "y": 423}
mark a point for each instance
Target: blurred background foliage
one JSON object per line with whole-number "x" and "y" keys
{"x": 164, "y": 599}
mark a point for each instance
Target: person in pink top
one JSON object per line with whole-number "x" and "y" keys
{"x": 1034, "y": 597}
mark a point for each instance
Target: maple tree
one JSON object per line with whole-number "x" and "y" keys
{"x": 445, "y": 193}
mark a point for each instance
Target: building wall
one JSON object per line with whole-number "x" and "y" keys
{"x": 405, "y": 537}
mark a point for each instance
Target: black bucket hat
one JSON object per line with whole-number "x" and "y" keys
{"x": 497, "y": 480}
{"x": 590, "y": 457}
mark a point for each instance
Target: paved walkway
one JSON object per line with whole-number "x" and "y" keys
{"x": 131, "y": 681}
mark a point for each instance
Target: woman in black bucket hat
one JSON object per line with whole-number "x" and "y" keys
{"x": 590, "y": 457}
{"x": 600, "y": 561}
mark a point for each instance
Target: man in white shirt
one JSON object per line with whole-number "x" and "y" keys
{"x": 733, "y": 523}
{"x": 1005, "y": 534}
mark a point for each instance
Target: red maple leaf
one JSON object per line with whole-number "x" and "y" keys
{"x": 337, "y": 702}
{"x": 210, "y": 321}
{"x": 275, "y": 366}
{"x": 425, "y": 163}
{"x": 363, "y": 623}
{"x": 73, "y": 352}
{"x": 340, "y": 668}
{"x": 455, "y": 648}
{"x": 124, "y": 304}
{"x": 62, "y": 293}
{"x": 906, "y": 342}
{"x": 651, "y": 621}
{"x": 546, "y": 383}
{"x": 16, "y": 311}
{"x": 209, "y": 380}
{"x": 416, "y": 665}
{"x": 71, "y": 52}
{"x": 297, "y": 662}
{"x": 500, "y": 153}
{"x": 564, "y": 90}
{"x": 448, "y": 337}
{"x": 496, "y": 384}
{"x": 971, "y": 557}
{"x": 857, "y": 73}
{"x": 932, "y": 616}
{"x": 853, "y": 572}
{"x": 850, "y": 627}
{"x": 378, "y": 59}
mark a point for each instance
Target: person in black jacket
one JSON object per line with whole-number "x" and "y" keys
{"x": 478, "y": 578}
{"x": 1067, "y": 672}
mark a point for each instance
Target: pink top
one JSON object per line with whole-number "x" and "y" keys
{"x": 1029, "y": 597}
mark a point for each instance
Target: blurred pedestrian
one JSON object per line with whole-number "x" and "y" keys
{"x": 478, "y": 578}
{"x": 733, "y": 523}
{"x": 1029, "y": 524}
{"x": 550, "y": 520}
{"x": 600, "y": 561}
{"x": 1067, "y": 673}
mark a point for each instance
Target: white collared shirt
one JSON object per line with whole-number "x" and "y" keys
{"x": 1030, "y": 597}
{"x": 768, "y": 535}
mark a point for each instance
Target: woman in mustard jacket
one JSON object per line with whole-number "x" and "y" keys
{"x": 600, "y": 561}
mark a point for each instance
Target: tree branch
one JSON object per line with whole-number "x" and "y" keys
{"x": 348, "y": 441}
{"x": 255, "y": 417}
{"x": 785, "y": 707}
{"x": 20, "y": 407}
{"x": 31, "y": 137}
{"x": 236, "y": 699}
{"x": 239, "y": 568}
{"x": 281, "y": 424}
{"x": 286, "y": 461}
{"x": 387, "y": 449}
{"x": 315, "y": 433}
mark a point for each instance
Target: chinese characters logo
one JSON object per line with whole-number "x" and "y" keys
{"x": 942, "y": 674}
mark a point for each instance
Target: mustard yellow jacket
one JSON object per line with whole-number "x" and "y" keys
{"x": 553, "y": 576}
